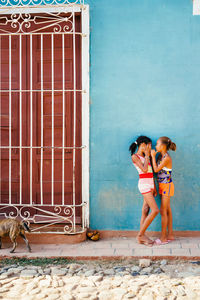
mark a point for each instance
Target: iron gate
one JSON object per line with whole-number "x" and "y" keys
{"x": 42, "y": 96}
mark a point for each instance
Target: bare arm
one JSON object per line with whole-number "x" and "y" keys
{"x": 137, "y": 161}
{"x": 155, "y": 190}
{"x": 165, "y": 162}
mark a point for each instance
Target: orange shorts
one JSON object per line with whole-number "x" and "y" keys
{"x": 166, "y": 189}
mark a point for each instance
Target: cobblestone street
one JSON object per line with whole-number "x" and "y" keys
{"x": 100, "y": 279}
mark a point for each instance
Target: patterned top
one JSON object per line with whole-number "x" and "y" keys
{"x": 150, "y": 170}
{"x": 165, "y": 174}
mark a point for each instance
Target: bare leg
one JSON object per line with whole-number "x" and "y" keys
{"x": 26, "y": 241}
{"x": 170, "y": 224}
{"x": 0, "y": 243}
{"x": 149, "y": 199}
{"x": 145, "y": 212}
{"x": 165, "y": 200}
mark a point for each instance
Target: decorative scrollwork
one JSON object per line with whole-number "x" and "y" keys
{"x": 57, "y": 209}
{"x": 19, "y": 3}
{"x": 43, "y": 216}
{"x": 68, "y": 229}
{"x": 9, "y": 211}
{"x": 27, "y": 23}
{"x": 24, "y": 213}
{"x": 13, "y": 214}
{"x": 69, "y": 211}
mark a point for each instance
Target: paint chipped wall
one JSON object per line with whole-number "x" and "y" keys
{"x": 145, "y": 72}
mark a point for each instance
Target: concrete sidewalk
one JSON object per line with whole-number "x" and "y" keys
{"x": 182, "y": 247}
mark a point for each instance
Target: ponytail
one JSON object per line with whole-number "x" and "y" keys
{"x": 133, "y": 147}
{"x": 168, "y": 142}
{"x": 172, "y": 146}
{"x": 141, "y": 139}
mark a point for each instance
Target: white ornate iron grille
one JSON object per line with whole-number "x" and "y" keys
{"x": 41, "y": 99}
{"x": 17, "y": 3}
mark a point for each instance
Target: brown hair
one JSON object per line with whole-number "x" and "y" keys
{"x": 168, "y": 142}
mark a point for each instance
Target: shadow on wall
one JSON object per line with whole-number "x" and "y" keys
{"x": 120, "y": 209}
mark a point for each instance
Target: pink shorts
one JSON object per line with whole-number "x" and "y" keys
{"x": 145, "y": 185}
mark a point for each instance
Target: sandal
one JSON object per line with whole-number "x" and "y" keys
{"x": 158, "y": 242}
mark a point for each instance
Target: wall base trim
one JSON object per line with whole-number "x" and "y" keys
{"x": 50, "y": 238}
{"x": 126, "y": 233}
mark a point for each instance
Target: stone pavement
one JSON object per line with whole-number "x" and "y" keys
{"x": 141, "y": 279}
{"x": 182, "y": 247}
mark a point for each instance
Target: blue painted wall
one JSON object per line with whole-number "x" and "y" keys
{"x": 145, "y": 72}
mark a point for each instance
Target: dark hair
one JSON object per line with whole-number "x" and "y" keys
{"x": 168, "y": 142}
{"x": 141, "y": 139}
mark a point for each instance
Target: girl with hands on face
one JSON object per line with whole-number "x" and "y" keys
{"x": 146, "y": 185}
{"x": 163, "y": 166}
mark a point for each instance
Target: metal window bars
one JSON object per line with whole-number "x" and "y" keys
{"x": 40, "y": 213}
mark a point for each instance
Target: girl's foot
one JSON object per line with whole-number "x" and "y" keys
{"x": 170, "y": 238}
{"x": 158, "y": 242}
{"x": 145, "y": 240}
{"x": 150, "y": 241}
{"x": 163, "y": 239}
